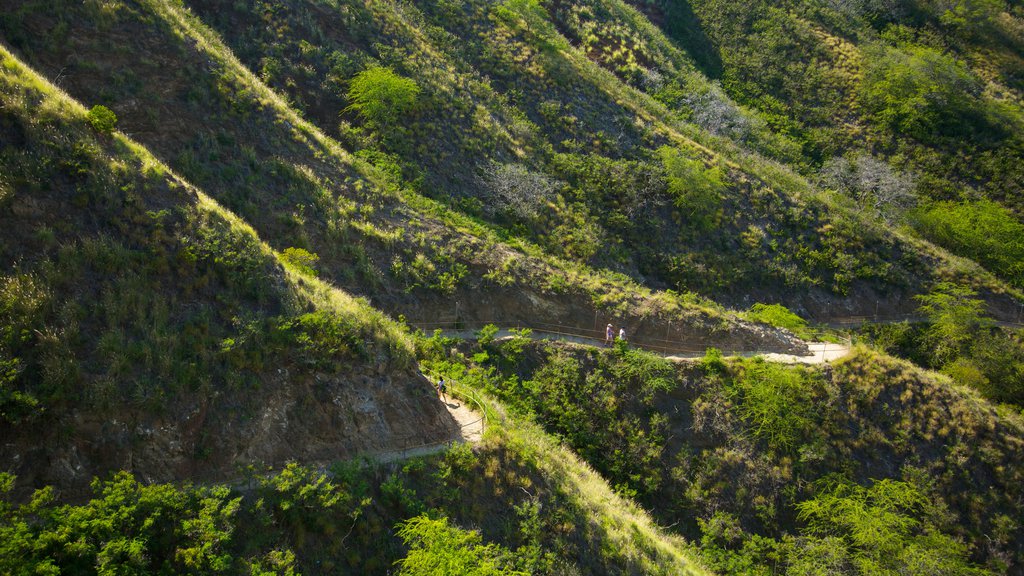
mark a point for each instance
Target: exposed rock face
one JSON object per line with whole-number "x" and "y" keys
{"x": 212, "y": 437}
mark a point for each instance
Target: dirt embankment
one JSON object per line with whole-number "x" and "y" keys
{"x": 213, "y": 434}
{"x": 678, "y": 331}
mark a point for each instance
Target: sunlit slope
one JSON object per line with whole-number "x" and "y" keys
{"x": 769, "y": 465}
{"x": 910, "y": 110}
{"x": 146, "y": 328}
{"x": 219, "y": 126}
{"x": 582, "y": 127}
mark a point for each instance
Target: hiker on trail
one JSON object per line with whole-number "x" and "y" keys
{"x": 609, "y": 335}
{"x": 622, "y": 333}
{"x": 441, "y": 389}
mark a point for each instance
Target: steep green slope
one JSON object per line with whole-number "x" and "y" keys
{"x": 532, "y": 505}
{"x": 511, "y": 122}
{"x": 769, "y": 466}
{"x": 898, "y": 103}
{"x": 590, "y": 148}
{"x": 225, "y": 131}
{"x": 146, "y": 328}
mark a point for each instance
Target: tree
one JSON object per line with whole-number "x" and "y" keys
{"x": 437, "y": 548}
{"x": 982, "y": 230}
{"x": 381, "y": 96}
{"x": 956, "y": 318}
{"x": 918, "y": 91}
{"x": 888, "y": 527}
{"x": 872, "y": 183}
{"x": 697, "y": 189}
{"x": 514, "y": 188}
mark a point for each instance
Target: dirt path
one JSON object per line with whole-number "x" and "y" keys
{"x": 821, "y": 352}
{"x": 471, "y": 429}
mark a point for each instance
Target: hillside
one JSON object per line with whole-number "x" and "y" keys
{"x": 551, "y": 149}
{"x": 754, "y": 459}
{"x": 145, "y": 328}
{"x": 223, "y": 130}
{"x": 151, "y": 337}
{"x": 240, "y": 241}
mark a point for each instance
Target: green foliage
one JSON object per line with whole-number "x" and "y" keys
{"x": 302, "y": 260}
{"x": 956, "y": 317}
{"x": 325, "y": 337}
{"x": 887, "y": 527}
{"x": 486, "y": 334}
{"x": 981, "y": 230}
{"x": 16, "y": 406}
{"x": 128, "y": 528}
{"x": 776, "y": 315}
{"x": 696, "y": 188}
{"x": 713, "y": 362}
{"x": 917, "y": 91}
{"x": 776, "y": 402}
{"x": 400, "y": 495}
{"x": 512, "y": 348}
{"x": 655, "y": 374}
{"x": 381, "y": 96}
{"x": 274, "y": 563}
{"x": 592, "y": 411}
{"x": 439, "y": 549}
{"x": 102, "y": 119}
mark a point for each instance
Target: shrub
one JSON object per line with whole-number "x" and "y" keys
{"x": 381, "y": 96}
{"x": 956, "y": 318}
{"x": 102, "y": 119}
{"x": 486, "y": 334}
{"x": 872, "y": 183}
{"x": 917, "y": 91}
{"x": 776, "y": 315}
{"x": 697, "y": 189}
{"x": 886, "y": 528}
{"x": 324, "y": 337}
{"x": 775, "y": 401}
{"x": 302, "y": 260}
{"x": 436, "y": 547}
{"x": 515, "y": 189}
{"x": 983, "y": 230}
{"x": 713, "y": 362}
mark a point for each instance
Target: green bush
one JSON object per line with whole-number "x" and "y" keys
{"x": 776, "y": 315}
{"x": 775, "y": 401}
{"x": 324, "y": 337}
{"x": 886, "y": 528}
{"x": 917, "y": 91}
{"x": 437, "y": 548}
{"x": 381, "y": 96}
{"x": 486, "y": 334}
{"x": 696, "y": 188}
{"x": 956, "y": 317}
{"x": 302, "y": 260}
{"x": 102, "y": 119}
{"x": 982, "y": 230}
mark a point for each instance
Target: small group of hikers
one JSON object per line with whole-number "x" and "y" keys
{"x": 609, "y": 335}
